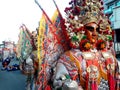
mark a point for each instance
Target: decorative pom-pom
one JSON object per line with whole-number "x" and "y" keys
{"x": 113, "y": 32}
{"x": 67, "y": 9}
{"x": 74, "y": 38}
{"x": 109, "y": 38}
{"x": 106, "y": 14}
{"x": 83, "y": 4}
{"x": 101, "y": 2}
{"x": 85, "y": 45}
{"x": 101, "y": 44}
{"x": 102, "y": 8}
{"x": 71, "y": 17}
{"x": 70, "y": 26}
{"x": 72, "y": 45}
{"x": 76, "y": 11}
{"x": 102, "y": 14}
{"x": 70, "y": 2}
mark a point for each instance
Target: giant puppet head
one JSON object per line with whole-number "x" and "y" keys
{"x": 82, "y": 17}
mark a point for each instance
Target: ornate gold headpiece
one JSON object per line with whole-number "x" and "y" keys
{"x": 80, "y": 13}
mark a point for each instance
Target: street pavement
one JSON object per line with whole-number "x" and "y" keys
{"x": 12, "y": 80}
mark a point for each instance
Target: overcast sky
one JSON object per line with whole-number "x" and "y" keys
{"x": 14, "y": 13}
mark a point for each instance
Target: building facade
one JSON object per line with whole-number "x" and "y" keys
{"x": 7, "y": 48}
{"x": 112, "y": 9}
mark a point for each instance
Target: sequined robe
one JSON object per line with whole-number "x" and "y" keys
{"x": 93, "y": 70}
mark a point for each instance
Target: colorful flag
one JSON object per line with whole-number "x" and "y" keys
{"x": 56, "y": 18}
{"x": 42, "y": 49}
{"x": 42, "y": 32}
{"x": 24, "y": 47}
{"x": 57, "y": 21}
{"x": 50, "y": 46}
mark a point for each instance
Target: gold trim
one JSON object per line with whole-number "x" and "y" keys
{"x": 103, "y": 73}
{"x": 78, "y": 64}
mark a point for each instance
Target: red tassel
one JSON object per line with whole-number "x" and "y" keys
{"x": 111, "y": 82}
{"x": 94, "y": 86}
{"x": 48, "y": 87}
{"x": 87, "y": 81}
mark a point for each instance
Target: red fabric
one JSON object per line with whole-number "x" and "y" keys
{"x": 109, "y": 61}
{"x": 89, "y": 62}
{"x": 111, "y": 82}
{"x": 48, "y": 87}
{"x": 87, "y": 81}
{"x": 92, "y": 62}
{"x": 94, "y": 86}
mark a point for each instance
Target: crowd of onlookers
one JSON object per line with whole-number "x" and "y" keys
{"x": 6, "y": 64}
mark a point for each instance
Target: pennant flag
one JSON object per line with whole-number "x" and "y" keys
{"x": 18, "y": 48}
{"x": 42, "y": 49}
{"x": 57, "y": 22}
{"x": 24, "y": 47}
{"x": 42, "y": 32}
{"x": 50, "y": 45}
{"x": 56, "y": 18}
{"x": 49, "y": 48}
{"x": 62, "y": 31}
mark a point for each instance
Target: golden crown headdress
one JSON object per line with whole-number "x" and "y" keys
{"x": 82, "y": 12}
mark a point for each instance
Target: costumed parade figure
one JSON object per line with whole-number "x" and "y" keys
{"x": 90, "y": 63}
{"x": 26, "y": 52}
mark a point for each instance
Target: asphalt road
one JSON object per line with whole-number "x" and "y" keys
{"x": 12, "y": 80}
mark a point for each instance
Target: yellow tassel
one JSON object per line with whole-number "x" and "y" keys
{"x": 77, "y": 62}
{"x": 103, "y": 73}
